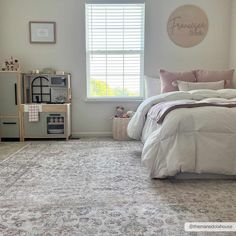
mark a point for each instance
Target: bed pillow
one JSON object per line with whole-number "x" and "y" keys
{"x": 213, "y": 76}
{"x": 167, "y": 78}
{"x": 187, "y": 86}
{"x": 152, "y": 86}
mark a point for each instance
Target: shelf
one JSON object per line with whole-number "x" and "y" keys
{"x": 48, "y": 94}
{"x": 6, "y": 71}
{"x": 40, "y": 86}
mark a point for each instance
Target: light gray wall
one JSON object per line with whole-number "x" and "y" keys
{"x": 69, "y": 52}
{"x": 233, "y": 39}
{"x": 212, "y": 53}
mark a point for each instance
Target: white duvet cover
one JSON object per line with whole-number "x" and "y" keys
{"x": 189, "y": 140}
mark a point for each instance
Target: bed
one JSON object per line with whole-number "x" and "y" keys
{"x": 188, "y": 133}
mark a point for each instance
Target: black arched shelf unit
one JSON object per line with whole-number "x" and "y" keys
{"x": 41, "y": 91}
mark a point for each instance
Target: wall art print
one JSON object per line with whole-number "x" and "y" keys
{"x": 42, "y": 31}
{"x": 187, "y": 26}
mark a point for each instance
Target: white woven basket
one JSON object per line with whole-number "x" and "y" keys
{"x": 119, "y": 128}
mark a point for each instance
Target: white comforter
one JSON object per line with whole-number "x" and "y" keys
{"x": 195, "y": 140}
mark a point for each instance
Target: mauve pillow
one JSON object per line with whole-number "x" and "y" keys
{"x": 167, "y": 79}
{"x": 215, "y": 75}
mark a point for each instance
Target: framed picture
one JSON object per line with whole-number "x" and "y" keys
{"x": 42, "y": 32}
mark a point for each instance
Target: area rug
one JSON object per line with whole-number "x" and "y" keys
{"x": 9, "y": 148}
{"x": 99, "y": 187}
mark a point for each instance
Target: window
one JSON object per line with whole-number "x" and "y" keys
{"x": 115, "y": 50}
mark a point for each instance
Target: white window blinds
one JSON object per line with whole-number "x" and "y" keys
{"x": 115, "y": 50}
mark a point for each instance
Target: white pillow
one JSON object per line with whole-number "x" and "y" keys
{"x": 186, "y": 86}
{"x": 152, "y": 86}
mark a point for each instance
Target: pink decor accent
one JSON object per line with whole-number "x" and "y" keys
{"x": 213, "y": 76}
{"x": 167, "y": 79}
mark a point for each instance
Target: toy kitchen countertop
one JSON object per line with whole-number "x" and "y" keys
{"x": 45, "y": 107}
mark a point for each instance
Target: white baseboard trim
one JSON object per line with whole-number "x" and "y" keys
{"x": 91, "y": 134}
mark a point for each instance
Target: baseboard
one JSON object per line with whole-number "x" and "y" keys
{"x": 91, "y": 134}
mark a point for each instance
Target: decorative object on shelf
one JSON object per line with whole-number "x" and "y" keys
{"x": 35, "y": 71}
{"x": 187, "y": 26}
{"x": 42, "y": 31}
{"x": 60, "y": 72}
{"x": 48, "y": 71}
{"x": 43, "y": 71}
{"x": 11, "y": 65}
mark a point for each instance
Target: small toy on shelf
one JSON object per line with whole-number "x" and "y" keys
{"x": 11, "y": 65}
{"x": 16, "y": 66}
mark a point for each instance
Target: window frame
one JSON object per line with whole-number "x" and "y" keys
{"x": 140, "y": 52}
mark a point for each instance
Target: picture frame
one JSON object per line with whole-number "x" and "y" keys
{"x": 42, "y": 32}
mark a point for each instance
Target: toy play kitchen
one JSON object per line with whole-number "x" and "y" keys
{"x": 46, "y": 112}
{"x": 35, "y": 105}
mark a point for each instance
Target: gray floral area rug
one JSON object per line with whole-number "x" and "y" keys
{"x": 9, "y": 148}
{"x": 99, "y": 187}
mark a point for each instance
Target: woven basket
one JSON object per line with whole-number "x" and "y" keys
{"x": 119, "y": 128}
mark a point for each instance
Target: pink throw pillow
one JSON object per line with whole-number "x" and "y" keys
{"x": 167, "y": 78}
{"x": 213, "y": 76}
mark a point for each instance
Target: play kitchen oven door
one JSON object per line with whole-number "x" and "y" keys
{"x": 55, "y": 124}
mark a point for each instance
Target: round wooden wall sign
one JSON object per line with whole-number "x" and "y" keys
{"x": 187, "y": 26}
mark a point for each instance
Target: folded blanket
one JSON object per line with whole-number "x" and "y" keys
{"x": 161, "y": 110}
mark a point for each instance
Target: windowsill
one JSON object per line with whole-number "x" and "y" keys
{"x": 103, "y": 99}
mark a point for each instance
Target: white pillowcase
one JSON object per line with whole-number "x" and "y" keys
{"x": 186, "y": 86}
{"x": 152, "y": 86}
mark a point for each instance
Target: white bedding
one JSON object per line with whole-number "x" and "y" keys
{"x": 149, "y": 126}
{"x": 195, "y": 140}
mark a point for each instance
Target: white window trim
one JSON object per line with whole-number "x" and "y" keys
{"x": 115, "y": 1}
{"x": 115, "y": 98}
